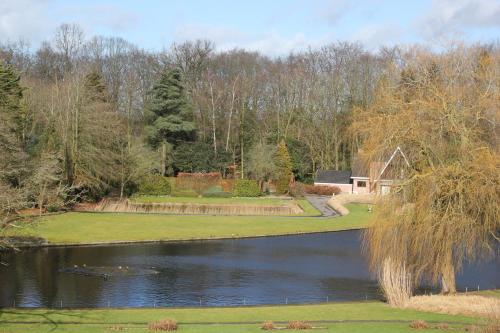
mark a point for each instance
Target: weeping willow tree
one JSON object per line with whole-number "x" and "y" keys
{"x": 442, "y": 110}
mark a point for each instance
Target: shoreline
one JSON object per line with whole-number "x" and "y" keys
{"x": 171, "y": 241}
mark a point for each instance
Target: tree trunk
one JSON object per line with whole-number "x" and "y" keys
{"x": 163, "y": 158}
{"x": 448, "y": 285}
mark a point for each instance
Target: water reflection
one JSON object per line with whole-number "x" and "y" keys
{"x": 275, "y": 270}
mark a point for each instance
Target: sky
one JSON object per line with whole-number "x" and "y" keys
{"x": 273, "y": 27}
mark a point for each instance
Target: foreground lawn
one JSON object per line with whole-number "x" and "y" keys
{"x": 333, "y": 317}
{"x": 89, "y": 228}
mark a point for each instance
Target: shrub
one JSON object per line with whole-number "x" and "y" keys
{"x": 268, "y": 325}
{"x": 163, "y": 325}
{"x": 154, "y": 185}
{"x": 246, "y": 188}
{"x": 297, "y": 190}
{"x": 216, "y": 192}
{"x": 419, "y": 324}
{"x": 442, "y": 326}
{"x": 227, "y": 185}
{"x": 298, "y": 325}
{"x": 321, "y": 190}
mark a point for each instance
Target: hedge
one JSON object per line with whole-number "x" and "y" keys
{"x": 246, "y": 188}
{"x": 216, "y": 192}
{"x": 154, "y": 185}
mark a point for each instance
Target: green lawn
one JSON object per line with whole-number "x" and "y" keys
{"x": 87, "y": 228}
{"x": 309, "y": 210}
{"x": 334, "y": 317}
{"x": 488, "y": 293}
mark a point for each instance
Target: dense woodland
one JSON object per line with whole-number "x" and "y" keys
{"x": 83, "y": 116}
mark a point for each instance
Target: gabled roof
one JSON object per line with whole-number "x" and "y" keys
{"x": 396, "y": 151}
{"x": 333, "y": 177}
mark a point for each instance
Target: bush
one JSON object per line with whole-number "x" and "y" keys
{"x": 163, "y": 325}
{"x": 216, "y": 192}
{"x": 154, "y": 185}
{"x": 442, "y": 326}
{"x": 297, "y": 190}
{"x": 246, "y": 188}
{"x": 419, "y": 324}
{"x": 321, "y": 190}
{"x": 298, "y": 325}
{"x": 268, "y": 326}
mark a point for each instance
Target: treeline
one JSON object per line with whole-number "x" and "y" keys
{"x": 81, "y": 117}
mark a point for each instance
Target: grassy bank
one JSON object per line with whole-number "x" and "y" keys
{"x": 309, "y": 210}
{"x": 334, "y": 317}
{"x": 89, "y": 228}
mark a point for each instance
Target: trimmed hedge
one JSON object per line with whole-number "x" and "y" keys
{"x": 321, "y": 189}
{"x": 216, "y": 192}
{"x": 246, "y": 188}
{"x": 154, "y": 185}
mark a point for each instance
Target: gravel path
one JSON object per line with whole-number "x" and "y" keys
{"x": 319, "y": 202}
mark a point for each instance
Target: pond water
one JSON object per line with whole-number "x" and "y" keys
{"x": 273, "y": 270}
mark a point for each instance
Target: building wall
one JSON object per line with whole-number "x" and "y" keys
{"x": 358, "y": 189}
{"x": 344, "y": 188}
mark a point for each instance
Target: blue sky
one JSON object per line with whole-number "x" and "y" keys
{"x": 273, "y": 27}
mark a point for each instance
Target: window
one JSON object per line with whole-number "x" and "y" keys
{"x": 361, "y": 184}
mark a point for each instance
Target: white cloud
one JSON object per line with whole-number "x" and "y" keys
{"x": 23, "y": 19}
{"x": 375, "y": 36}
{"x": 446, "y": 17}
{"x": 334, "y": 10}
{"x": 269, "y": 43}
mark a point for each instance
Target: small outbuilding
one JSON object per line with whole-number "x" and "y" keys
{"x": 375, "y": 177}
{"x": 340, "y": 179}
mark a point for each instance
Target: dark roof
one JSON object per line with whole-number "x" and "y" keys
{"x": 333, "y": 177}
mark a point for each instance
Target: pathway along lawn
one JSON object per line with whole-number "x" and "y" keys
{"x": 94, "y": 228}
{"x": 334, "y": 317}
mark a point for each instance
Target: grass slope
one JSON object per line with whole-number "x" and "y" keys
{"x": 88, "y": 228}
{"x": 351, "y": 317}
{"x": 309, "y": 210}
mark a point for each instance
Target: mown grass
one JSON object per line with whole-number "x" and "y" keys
{"x": 487, "y": 293}
{"x": 89, "y": 228}
{"x": 357, "y": 317}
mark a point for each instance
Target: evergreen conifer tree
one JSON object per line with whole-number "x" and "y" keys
{"x": 169, "y": 115}
{"x": 95, "y": 90}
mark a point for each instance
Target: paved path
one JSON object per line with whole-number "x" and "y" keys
{"x": 319, "y": 202}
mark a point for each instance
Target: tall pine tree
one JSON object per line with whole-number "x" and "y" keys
{"x": 169, "y": 115}
{"x": 12, "y": 156}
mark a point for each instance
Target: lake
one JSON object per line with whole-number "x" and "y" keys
{"x": 271, "y": 270}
